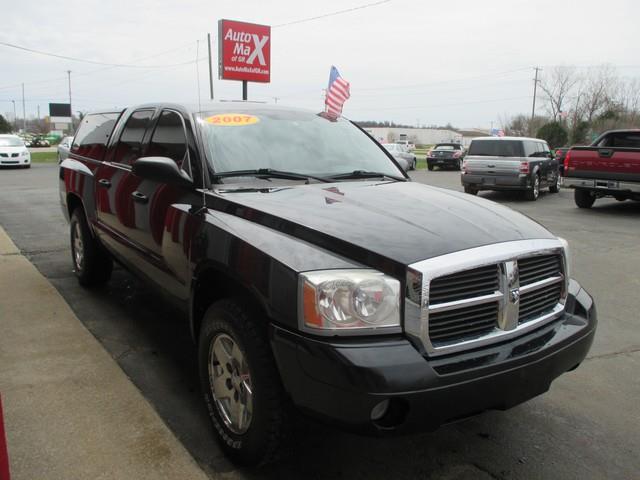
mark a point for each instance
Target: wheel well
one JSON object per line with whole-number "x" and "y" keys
{"x": 73, "y": 202}
{"x": 210, "y": 286}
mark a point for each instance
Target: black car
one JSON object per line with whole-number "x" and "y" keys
{"x": 446, "y": 155}
{"x": 290, "y": 240}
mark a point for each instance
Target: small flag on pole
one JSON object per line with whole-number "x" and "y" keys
{"x": 337, "y": 93}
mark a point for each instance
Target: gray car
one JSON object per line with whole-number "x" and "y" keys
{"x": 63, "y": 148}
{"x": 510, "y": 163}
{"x": 405, "y": 159}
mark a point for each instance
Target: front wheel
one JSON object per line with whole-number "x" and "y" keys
{"x": 240, "y": 382}
{"x": 583, "y": 198}
{"x": 92, "y": 264}
{"x": 555, "y": 188}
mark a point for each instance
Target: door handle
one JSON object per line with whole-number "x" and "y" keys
{"x": 605, "y": 152}
{"x": 139, "y": 197}
{"x": 104, "y": 183}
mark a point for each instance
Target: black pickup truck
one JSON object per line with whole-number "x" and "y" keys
{"x": 316, "y": 274}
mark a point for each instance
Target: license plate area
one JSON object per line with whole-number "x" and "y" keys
{"x": 606, "y": 184}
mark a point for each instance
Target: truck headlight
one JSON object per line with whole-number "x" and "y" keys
{"x": 349, "y": 302}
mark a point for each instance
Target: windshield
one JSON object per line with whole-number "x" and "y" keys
{"x": 11, "y": 142}
{"x": 496, "y": 148}
{"x": 289, "y": 140}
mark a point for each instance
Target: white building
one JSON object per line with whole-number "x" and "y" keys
{"x": 418, "y": 136}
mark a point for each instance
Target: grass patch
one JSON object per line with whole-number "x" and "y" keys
{"x": 44, "y": 157}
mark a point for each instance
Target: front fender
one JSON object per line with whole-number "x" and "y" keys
{"x": 263, "y": 261}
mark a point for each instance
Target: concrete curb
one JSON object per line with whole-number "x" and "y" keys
{"x": 69, "y": 410}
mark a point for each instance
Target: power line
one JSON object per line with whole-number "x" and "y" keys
{"x": 82, "y": 60}
{"x": 495, "y": 100}
{"x": 331, "y": 14}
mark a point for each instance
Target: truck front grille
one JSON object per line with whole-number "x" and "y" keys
{"x": 480, "y": 301}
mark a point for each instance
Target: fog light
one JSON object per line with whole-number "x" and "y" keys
{"x": 379, "y": 410}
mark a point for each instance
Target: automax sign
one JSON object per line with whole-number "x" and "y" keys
{"x": 244, "y": 51}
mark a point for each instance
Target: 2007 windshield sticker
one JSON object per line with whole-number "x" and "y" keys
{"x": 232, "y": 119}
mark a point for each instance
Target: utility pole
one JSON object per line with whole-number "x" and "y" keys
{"x": 38, "y": 112}
{"x": 24, "y": 113}
{"x": 535, "y": 89}
{"x": 15, "y": 116}
{"x": 70, "y": 108}
{"x": 210, "y": 66}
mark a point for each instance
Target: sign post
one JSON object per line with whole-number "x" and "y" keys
{"x": 244, "y": 53}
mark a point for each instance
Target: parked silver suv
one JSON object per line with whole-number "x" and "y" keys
{"x": 510, "y": 163}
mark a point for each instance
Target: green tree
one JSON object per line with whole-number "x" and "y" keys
{"x": 5, "y": 127}
{"x": 579, "y": 133}
{"x": 554, "y": 133}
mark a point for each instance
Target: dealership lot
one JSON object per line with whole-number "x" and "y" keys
{"x": 585, "y": 427}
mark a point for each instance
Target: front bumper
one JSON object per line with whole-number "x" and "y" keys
{"x": 341, "y": 381}
{"x": 15, "y": 162}
{"x": 496, "y": 182}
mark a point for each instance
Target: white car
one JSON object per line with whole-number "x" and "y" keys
{"x": 13, "y": 152}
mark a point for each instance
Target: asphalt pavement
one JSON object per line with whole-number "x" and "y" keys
{"x": 585, "y": 427}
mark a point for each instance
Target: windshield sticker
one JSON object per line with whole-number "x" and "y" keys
{"x": 232, "y": 119}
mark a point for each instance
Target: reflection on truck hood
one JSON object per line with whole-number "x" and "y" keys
{"x": 402, "y": 221}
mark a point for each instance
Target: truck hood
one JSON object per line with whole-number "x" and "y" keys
{"x": 404, "y": 222}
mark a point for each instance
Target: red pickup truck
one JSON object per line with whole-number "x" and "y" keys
{"x": 610, "y": 167}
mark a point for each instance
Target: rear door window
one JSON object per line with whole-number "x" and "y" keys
{"x": 169, "y": 138}
{"x": 624, "y": 140}
{"x": 129, "y": 147}
{"x": 531, "y": 148}
{"x": 93, "y": 134}
{"x": 496, "y": 148}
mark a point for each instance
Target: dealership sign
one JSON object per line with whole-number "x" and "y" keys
{"x": 244, "y": 51}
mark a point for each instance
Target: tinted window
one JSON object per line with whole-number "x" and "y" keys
{"x": 93, "y": 133}
{"x": 624, "y": 140}
{"x": 497, "y": 148}
{"x": 130, "y": 144}
{"x": 445, "y": 147}
{"x": 169, "y": 139}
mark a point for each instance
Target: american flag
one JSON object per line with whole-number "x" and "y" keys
{"x": 337, "y": 93}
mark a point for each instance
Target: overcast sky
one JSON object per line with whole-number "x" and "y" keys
{"x": 468, "y": 63}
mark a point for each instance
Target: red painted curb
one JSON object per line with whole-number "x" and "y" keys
{"x": 4, "y": 453}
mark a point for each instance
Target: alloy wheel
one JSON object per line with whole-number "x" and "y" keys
{"x": 78, "y": 247}
{"x": 230, "y": 383}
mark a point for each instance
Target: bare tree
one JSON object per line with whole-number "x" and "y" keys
{"x": 599, "y": 90}
{"x": 557, "y": 87}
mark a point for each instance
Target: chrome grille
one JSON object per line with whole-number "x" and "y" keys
{"x": 534, "y": 269}
{"x": 485, "y": 294}
{"x": 470, "y": 283}
{"x": 455, "y": 324}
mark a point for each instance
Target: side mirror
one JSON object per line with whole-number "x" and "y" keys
{"x": 161, "y": 169}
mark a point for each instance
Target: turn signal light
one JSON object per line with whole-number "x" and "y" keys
{"x": 567, "y": 157}
{"x": 524, "y": 167}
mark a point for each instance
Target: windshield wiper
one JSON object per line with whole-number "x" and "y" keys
{"x": 366, "y": 174}
{"x": 270, "y": 173}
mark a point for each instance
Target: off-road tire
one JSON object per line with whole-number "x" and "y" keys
{"x": 583, "y": 198}
{"x": 246, "y": 325}
{"x": 96, "y": 265}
